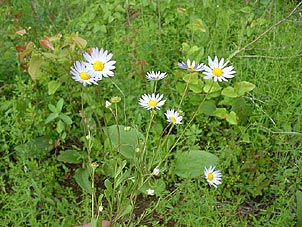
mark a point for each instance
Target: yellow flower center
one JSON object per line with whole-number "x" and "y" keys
{"x": 84, "y": 76}
{"x": 172, "y": 119}
{"x": 217, "y": 72}
{"x": 191, "y": 67}
{"x": 98, "y": 66}
{"x": 152, "y": 103}
{"x": 210, "y": 176}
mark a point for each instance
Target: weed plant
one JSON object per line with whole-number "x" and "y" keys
{"x": 136, "y": 134}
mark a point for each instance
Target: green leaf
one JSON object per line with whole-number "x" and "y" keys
{"x": 70, "y": 156}
{"x": 180, "y": 87}
{"x": 129, "y": 139}
{"x": 60, "y": 105}
{"x": 60, "y": 126}
{"x": 242, "y": 87}
{"x": 211, "y": 86}
{"x": 208, "y": 107}
{"x": 82, "y": 178}
{"x": 191, "y": 78}
{"x": 65, "y": 118}
{"x": 229, "y": 92}
{"x": 51, "y": 117}
{"x": 53, "y": 86}
{"x": 52, "y": 108}
{"x": 197, "y": 25}
{"x": 232, "y": 118}
{"x": 34, "y": 67}
{"x": 299, "y": 208}
{"x": 220, "y": 112}
{"x": 197, "y": 88}
{"x": 192, "y": 163}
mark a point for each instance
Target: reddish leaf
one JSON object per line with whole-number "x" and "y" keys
{"x": 45, "y": 42}
{"x": 21, "y": 32}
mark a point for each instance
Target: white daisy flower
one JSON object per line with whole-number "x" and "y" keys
{"x": 213, "y": 177}
{"x": 218, "y": 70}
{"x": 99, "y": 64}
{"x": 191, "y": 67}
{"x": 173, "y": 117}
{"x": 80, "y": 74}
{"x": 155, "y": 75}
{"x": 150, "y": 191}
{"x": 151, "y": 101}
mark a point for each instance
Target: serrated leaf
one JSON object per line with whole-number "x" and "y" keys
{"x": 229, "y": 92}
{"x": 242, "y": 87}
{"x": 34, "y": 67}
{"x": 70, "y": 156}
{"x": 208, "y": 107}
{"x": 65, "y": 118}
{"x": 232, "y": 118}
{"x": 51, "y": 117}
{"x": 82, "y": 178}
{"x": 192, "y": 163}
{"x": 53, "y": 86}
{"x": 60, "y": 105}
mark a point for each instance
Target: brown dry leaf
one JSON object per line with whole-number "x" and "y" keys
{"x": 45, "y": 42}
{"x": 21, "y": 32}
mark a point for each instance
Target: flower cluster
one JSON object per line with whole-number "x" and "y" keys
{"x": 216, "y": 70}
{"x": 98, "y": 64}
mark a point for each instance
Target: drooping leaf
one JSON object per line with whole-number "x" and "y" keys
{"x": 70, "y": 156}
{"x": 191, "y": 164}
{"x": 82, "y": 178}
{"x": 79, "y": 41}
{"x": 34, "y": 67}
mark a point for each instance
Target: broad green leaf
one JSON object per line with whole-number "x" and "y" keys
{"x": 82, "y": 178}
{"x": 36, "y": 148}
{"x": 34, "y": 67}
{"x": 60, "y": 126}
{"x": 192, "y": 163}
{"x": 229, "y": 92}
{"x": 53, "y": 86}
{"x": 125, "y": 139}
{"x": 211, "y": 86}
{"x": 299, "y": 208}
{"x": 208, "y": 107}
{"x": 51, "y": 117}
{"x": 52, "y": 108}
{"x": 232, "y": 118}
{"x": 126, "y": 211}
{"x": 60, "y": 105}
{"x": 220, "y": 112}
{"x": 191, "y": 78}
{"x": 197, "y": 88}
{"x": 242, "y": 87}
{"x": 180, "y": 87}
{"x": 185, "y": 47}
{"x": 70, "y": 156}
{"x": 65, "y": 118}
